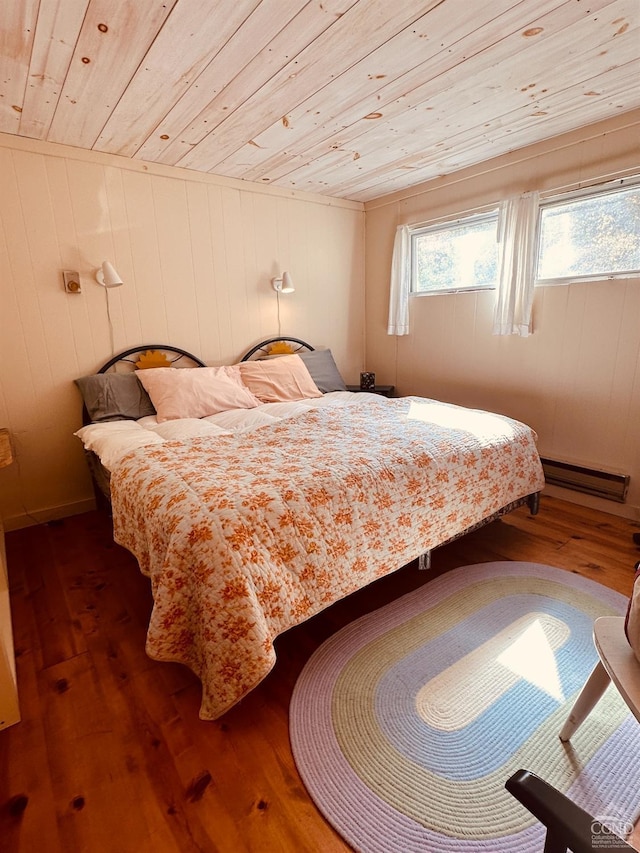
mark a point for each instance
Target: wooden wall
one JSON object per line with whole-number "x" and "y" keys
{"x": 196, "y": 254}
{"x": 576, "y": 380}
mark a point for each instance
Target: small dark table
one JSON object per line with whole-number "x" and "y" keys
{"x": 383, "y": 390}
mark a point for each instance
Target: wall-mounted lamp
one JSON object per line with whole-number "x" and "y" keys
{"x": 107, "y": 276}
{"x": 283, "y": 283}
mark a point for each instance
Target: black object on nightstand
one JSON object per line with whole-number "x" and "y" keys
{"x": 383, "y": 390}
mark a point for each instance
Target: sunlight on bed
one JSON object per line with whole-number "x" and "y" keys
{"x": 482, "y": 424}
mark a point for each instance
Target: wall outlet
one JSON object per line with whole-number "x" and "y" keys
{"x": 71, "y": 281}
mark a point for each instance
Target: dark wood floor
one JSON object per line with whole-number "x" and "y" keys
{"x": 110, "y": 755}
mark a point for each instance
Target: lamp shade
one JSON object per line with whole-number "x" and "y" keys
{"x": 287, "y": 284}
{"x": 107, "y": 276}
{"x": 283, "y": 283}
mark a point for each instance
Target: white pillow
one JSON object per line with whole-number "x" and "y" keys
{"x": 196, "y": 392}
{"x": 112, "y": 439}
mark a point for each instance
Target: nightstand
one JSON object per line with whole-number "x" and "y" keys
{"x": 383, "y": 390}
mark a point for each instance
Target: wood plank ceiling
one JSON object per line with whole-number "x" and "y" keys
{"x": 348, "y": 98}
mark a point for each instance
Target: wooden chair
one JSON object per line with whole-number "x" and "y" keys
{"x": 568, "y": 826}
{"x": 617, "y": 663}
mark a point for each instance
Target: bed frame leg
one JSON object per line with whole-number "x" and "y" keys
{"x": 424, "y": 561}
{"x": 534, "y": 503}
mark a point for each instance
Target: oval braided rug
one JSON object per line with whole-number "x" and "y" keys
{"x": 406, "y": 724}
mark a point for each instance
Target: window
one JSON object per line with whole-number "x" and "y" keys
{"x": 590, "y": 235}
{"x": 455, "y": 256}
{"x": 581, "y": 236}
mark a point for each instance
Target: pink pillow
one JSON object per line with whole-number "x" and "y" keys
{"x": 195, "y": 392}
{"x": 279, "y": 380}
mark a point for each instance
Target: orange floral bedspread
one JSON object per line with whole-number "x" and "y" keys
{"x": 246, "y": 535}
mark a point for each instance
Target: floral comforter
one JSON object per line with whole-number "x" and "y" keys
{"x": 246, "y": 535}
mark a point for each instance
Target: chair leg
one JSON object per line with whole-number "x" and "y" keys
{"x": 595, "y": 686}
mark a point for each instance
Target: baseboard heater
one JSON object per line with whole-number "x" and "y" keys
{"x": 602, "y": 484}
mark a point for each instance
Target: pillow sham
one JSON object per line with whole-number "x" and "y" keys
{"x": 323, "y": 370}
{"x": 114, "y": 397}
{"x": 197, "y": 392}
{"x": 279, "y": 380}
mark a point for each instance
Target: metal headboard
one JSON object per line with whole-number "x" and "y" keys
{"x": 147, "y": 348}
{"x": 264, "y": 347}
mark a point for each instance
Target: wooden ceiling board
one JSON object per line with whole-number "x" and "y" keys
{"x": 463, "y": 147}
{"x": 476, "y": 145}
{"x": 319, "y": 64}
{"x": 17, "y": 27}
{"x": 58, "y": 27}
{"x": 246, "y": 64}
{"x": 459, "y": 81}
{"x": 349, "y": 98}
{"x": 376, "y": 81}
{"x": 488, "y": 101}
{"x": 112, "y": 43}
{"x": 186, "y": 45}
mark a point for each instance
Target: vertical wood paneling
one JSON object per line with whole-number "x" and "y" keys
{"x": 21, "y": 307}
{"x": 235, "y": 283}
{"x": 127, "y": 324}
{"x": 284, "y": 262}
{"x": 202, "y": 261}
{"x": 251, "y": 273}
{"x": 94, "y": 238}
{"x": 196, "y": 255}
{"x": 70, "y": 257}
{"x": 264, "y": 245}
{"x": 626, "y": 379}
{"x": 176, "y": 268}
{"x": 57, "y": 339}
{"x": 138, "y": 192}
{"x": 220, "y": 271}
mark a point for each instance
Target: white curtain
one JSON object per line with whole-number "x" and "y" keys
{"x": 400, "y": 284}
{"x": 517, "y": 226}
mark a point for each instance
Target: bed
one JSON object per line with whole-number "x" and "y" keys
{"x": 252, "y": 519}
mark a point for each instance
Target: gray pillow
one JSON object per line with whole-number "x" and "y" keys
{"x": 323, "y": 370}
{"x": 114, "y": 397}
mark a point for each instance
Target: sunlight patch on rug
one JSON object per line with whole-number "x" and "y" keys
{"x": 525, "y": 649}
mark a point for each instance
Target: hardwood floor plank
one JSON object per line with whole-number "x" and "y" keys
{"x": 95, "y": 795}
{"x": 110, "y": 754}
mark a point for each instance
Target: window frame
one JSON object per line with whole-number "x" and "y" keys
{"x": 559, "y": 199}
{"x": 416, "y": 231}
